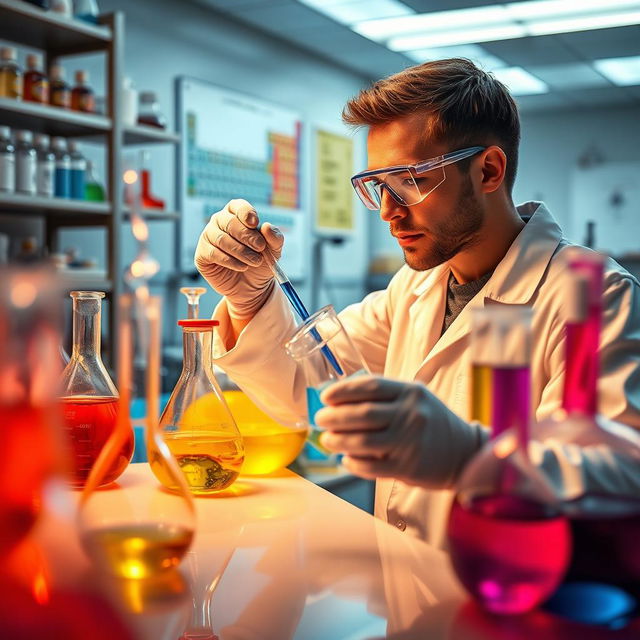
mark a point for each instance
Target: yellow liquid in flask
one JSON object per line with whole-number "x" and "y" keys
{"x": 210, "y": 460}
{"x": 137, "y": 551}
{"x": 481, "y": 393}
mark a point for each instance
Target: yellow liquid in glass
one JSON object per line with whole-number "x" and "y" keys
{"x": 210, "y": 460}
{"x": 481, "y": 393}
{"x": 268, "y": 445}
{"x": 137, "y": 551}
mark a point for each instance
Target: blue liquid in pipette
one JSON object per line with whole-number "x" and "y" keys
{"x": 301, "y": 310}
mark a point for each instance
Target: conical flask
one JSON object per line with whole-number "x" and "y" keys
{"x": 196, "y": 424}
{"x": 135, "y": 529}
{"x": 593, "y": 463}
{"x": 30, "y": 454}
{"x": 89, "y": 397}
{"x": 510, "y": 544}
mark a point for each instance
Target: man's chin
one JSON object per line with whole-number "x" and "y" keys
{"x": 418, "y": 261}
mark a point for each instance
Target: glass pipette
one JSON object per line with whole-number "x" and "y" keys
{"x": 298, "y": 305}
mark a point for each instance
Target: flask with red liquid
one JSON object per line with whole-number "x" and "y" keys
{"x": 89, "y": 397}
{"x": 149, "y": 201}
{"x": 510, "y": 544}
{"x": 594, "y": 465}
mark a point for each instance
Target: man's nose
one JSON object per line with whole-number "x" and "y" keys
{"x": 390, "y": 209}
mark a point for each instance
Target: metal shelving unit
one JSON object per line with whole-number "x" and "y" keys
{"x": 57, "y": 36}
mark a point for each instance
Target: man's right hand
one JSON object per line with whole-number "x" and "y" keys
{"x": 230, "y": 258}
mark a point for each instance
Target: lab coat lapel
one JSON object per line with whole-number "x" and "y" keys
{"x": 514, "y": 280}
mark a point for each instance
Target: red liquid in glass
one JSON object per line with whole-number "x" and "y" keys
{"x": 27, "y": 460}
{"x": 510, "y": 387}
{"x": 509, "y": 553}
{"x": 90, "y": 421}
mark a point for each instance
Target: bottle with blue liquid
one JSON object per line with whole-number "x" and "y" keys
{"x": 326, "y": 353}
{"x": 78, "y": 167}
{"x": 62, "y": 176}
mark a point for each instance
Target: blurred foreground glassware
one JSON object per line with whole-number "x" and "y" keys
{"x": 89, "y": 397}
{"x": 30, "y": 454}
{"x": 327, "y": 354}
{"x": 136, "y": 530}
{"x": 594, "y": 465}
{"x": 510, "y": 544}
{"x": 196, "y": 423}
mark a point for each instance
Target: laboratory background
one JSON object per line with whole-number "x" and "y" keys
{"x": 124, "y": 126}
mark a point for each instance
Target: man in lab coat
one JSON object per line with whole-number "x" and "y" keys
{"x": 442, "y": 152}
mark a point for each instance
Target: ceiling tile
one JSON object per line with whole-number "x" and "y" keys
{"x": 604, "y": 43}
{"x": 603, "y": 97}
{"x": 543, "y": 102}
{"x": 281, "y": 18}
{"x": 524, "y": 52}
{"x": 569, "y": 76}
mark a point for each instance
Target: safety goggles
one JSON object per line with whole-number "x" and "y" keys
{"x": 407, "y": 184}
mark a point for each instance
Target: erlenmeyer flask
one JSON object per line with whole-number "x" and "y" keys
{"x": 89, "y": 397}
{"x": 594, "y": 464}
{"x": 510, "y": 544}
{"x": 136, "y": 529}
{"x": 192, "y": 295}
{"x": 29, "y": 374}
{"x": 196, "y": 424}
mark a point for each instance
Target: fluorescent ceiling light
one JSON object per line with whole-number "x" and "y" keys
{"x": 583, "y": 23}
{"x": 471, "y": 51}
{"x": 519, "y": 82}
{"x": 353, "y": 11}
{"x": 623, "y": 72}
{"x": 541, "y": 9}
{"x": 462, "y": 36}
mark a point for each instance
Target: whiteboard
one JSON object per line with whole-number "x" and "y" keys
{"x": 238, "y": 146}
{"x": 608, "y": 194}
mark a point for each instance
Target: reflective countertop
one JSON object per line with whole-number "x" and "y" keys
{"x": 281, "y": 558}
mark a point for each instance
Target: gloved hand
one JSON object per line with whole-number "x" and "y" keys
{"x": 229, "y": 257}
{"x": 388, "y": 428}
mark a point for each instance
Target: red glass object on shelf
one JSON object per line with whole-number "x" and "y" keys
{"x": 510, "y": 543}
{"x": 36, "y": 83}
{"x": 83, "y": 97}
{"x": 89, "y": 398}
{"x": 601, "y": 493}
{"x": 148, "y": 200}
{"x": 29, "y": 371}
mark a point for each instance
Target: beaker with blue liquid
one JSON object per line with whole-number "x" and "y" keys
{"x": 327, "y": 354}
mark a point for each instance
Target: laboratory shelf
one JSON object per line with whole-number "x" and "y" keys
{"x": 156, "y": 214}
{"x": 149, "y": 135}
{"x": 34, "y": 205}
{"x": 52, "y": 120}
{"x": 28, "y": 25}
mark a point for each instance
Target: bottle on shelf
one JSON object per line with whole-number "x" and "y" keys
{"x": 149, "y": 113}
{"x": 89, "y": 397}
{"x": 129, "y": 103}
{"x": 29, "y": 252}
{"x": 82, "y": 95}
{"x": 86, "y": 10}
{"x": 10, "y": 74}
{"x": 7, "y": 162}
{"x": 78, "y": 169}
{"x": 25, "y": 164}
{"x": 62, "y": 179}
{"x": 59, "y": 90}
{"x": 45, "y": 167}
{"x": 93, "y": 189}
{"x": 36, "y": 83}
{"x": 149, "y": 201}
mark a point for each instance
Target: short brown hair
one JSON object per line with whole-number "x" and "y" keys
{"x": 466, "y": 105}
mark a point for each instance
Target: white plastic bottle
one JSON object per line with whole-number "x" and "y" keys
{"x": 7, "y": 162}
{"x": 45, "y": 167}
{"x": 25, "y": 164}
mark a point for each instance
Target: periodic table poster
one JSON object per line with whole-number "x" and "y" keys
{"x": 237, "y": 146}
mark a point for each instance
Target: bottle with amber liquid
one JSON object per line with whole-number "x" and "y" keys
{"x": 36, "y": 83}
{"x": 89, "y": 398}
{"x": 59, "y": 90}
{"x": 82, "y": 96}
{"x": 10, "y": 74}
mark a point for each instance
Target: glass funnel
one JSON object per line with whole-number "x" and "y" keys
{"x": 29, "y": 375}
{"x": 192, "y": 294}
{"x": 135, "y": 528}
{"x": 89, "y": 397}
{"x": 510, "y": 544}
{"x": 196, "y": 424}
{"x": 593, "y": 463}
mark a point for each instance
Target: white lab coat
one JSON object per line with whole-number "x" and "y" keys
{"x": 398, "y": 331}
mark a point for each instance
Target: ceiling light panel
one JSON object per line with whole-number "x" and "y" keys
{"x": 520, "y": 82}
{"x": 353, "y": 11}
{"x": 623, "y": 72}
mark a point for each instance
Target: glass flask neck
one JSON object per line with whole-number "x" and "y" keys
{"x": 86, "y": 327}
{"x": 196, "y": 347}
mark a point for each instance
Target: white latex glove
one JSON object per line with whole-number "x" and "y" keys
{"x": 388, "y": 428}
{"x": 229, "y": 257}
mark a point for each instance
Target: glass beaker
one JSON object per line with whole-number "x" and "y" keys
{"x": 327, "y": 354}
{"x": 31, "y": 453}
{"x": 196, "y": 424}
{"x": 136, "y": 529}
{"x": 510, "y": 544}
{"x": 89, "y": 397}
{"x": 593, "y": 464}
